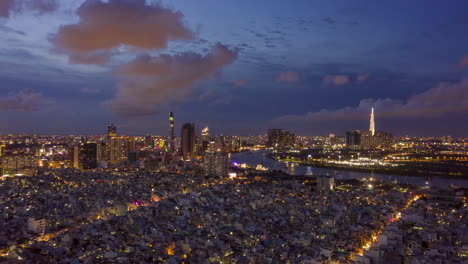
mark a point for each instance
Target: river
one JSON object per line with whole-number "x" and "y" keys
{"x": 252, "y": 158}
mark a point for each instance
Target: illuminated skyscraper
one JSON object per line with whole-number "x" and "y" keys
{"x": 118, "y": 149}
{"x": 205, "y": 139}
{"x": 187, "y": 141}
{"x": 372, "y": 123}
{"x": 171, "y": 133}
{"x": 111, "y": 131}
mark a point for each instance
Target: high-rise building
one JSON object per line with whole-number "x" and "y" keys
{"x": 111, "y": 131}
{"x": 187, "y": 141}
{"x": 19, "y": 164}
{"x": 118, "y": 148}
{"x": 171, "y": 133}
{"x": 372, "y": 123}
{"x": 353, "y": 139}
{"x": 237, "y": 143}
{"x": 85, "y": 156}
{"x": 216, "y": 163}
{"x": 365, "y": 140}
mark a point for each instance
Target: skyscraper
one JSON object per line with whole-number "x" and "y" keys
{"x": 171, "y": 133}
{"x": 85, "y": 156}
{"x": 372, "y": 123}
{"x": 111, "y": 131}
{"x": 187, "y": 141}
{"x": 205, "y": 139}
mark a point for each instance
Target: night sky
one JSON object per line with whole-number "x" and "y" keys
{"x": 239, "y": 67}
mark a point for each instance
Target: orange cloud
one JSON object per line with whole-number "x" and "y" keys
{"x": 288, "y": 77}
{"x": 446, "y": 98}
{"x": 103, "y": 27}
{"x": 147, "y": 82}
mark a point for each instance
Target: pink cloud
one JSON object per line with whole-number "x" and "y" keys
{"x": 147, "y": 82}
{"x": 446, "y": 98}
{"x": 288, "y": 77}
{"x": 463, "y": 62}
{"x": 240, "y": 83}
{"x": 103, "y": 27}
{"x": 362, "y": 78}
{"x": 335, "y": 80}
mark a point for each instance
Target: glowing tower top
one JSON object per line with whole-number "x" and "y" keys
{"x": 372, "y": 123}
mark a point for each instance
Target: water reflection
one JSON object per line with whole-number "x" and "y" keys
{"x": 259, "y": 157}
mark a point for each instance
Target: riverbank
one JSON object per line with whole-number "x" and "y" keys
{"x": 400, "y": 170}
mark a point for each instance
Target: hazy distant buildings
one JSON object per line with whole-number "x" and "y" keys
{"x": 279, "y": 139}
{"x": 216, "y": 163}
{"x": 187, "y": 141}
{"x": 111, "y": 131}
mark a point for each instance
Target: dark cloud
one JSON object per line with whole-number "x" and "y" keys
{"x": 329, "y": 20}
{"x": 87, "y": 90}
{"x": 105, "y": 26}
{"x": 7, "y": 7}
{"x": 444, "y": 99}
{"x": 11, "y": 30}
{"x": 148, "y": 82}
{"x": 288, "y": 77}
{"x": 25, "y": 100}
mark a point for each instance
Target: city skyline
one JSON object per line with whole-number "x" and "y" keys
{"x": 309, "y": 68}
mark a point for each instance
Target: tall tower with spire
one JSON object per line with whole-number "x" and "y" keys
{"x": 372, "y": 123}
{"x": 171, "y": 133}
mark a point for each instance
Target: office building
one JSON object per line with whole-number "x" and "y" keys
{"x": 19, "y": 164}
{"x": 187, "y": 141}
{"x": 118, "y": 149}
{"x": 85, "y": 156}
{"x": 353, "y": 139}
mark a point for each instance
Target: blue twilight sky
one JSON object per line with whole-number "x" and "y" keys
{"x": 239, "y": 67}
